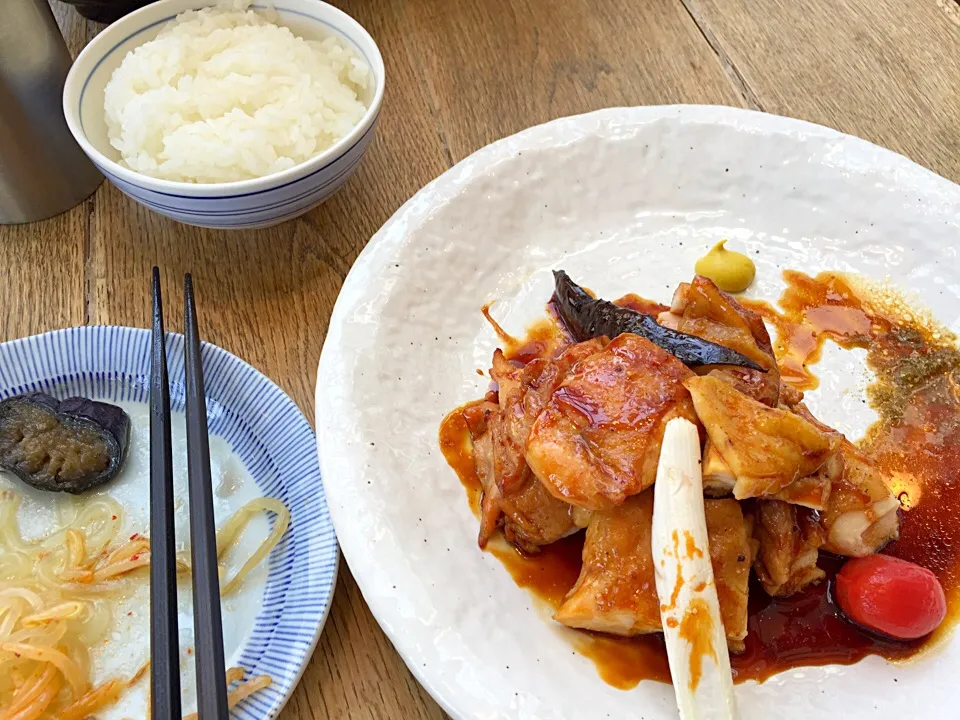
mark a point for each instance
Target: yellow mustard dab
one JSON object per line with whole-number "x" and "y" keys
{"x": 730, "y": 270}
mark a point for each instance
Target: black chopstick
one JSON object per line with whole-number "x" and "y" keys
{"x": 164, "y": 637}
{"x": 208, "y": 628}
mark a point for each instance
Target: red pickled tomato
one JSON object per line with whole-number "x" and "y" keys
{"x": 894, "y": 597}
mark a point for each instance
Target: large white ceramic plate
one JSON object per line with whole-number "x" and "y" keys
{"x": 624, "y": 200}
{"x": 261, "y": 444}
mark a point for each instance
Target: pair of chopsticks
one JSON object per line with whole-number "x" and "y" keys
{"x": 208, "y": 628}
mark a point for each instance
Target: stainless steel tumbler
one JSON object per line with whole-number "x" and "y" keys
{"x": 42, "y": 169}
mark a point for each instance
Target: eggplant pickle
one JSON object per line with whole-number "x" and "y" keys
{"x": 70, "y": 446}
{"x": 587, "y": 317}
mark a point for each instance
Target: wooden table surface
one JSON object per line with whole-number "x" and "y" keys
{"x": 461, "y": 74}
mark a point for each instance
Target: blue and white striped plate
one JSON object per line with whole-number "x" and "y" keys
{"x": 269, "y": 433}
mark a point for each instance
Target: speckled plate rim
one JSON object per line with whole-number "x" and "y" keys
{"x": 851, "y": 154}
{"x": 272, "y": 437}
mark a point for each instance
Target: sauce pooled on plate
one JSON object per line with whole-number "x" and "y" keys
{"x": 915, "y": 442}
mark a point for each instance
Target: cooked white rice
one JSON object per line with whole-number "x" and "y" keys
{"x": 224, "y": 94}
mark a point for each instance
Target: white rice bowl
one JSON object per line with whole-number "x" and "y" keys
{"x": 225, "y": 94}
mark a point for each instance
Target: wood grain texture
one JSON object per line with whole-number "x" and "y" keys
{"x": 266, "y": 295}
{"x": 43, "y": 275}
{"x": 495, "y": 68}
{"x": 461, "y": 74}
{"x": 885, "y": 70}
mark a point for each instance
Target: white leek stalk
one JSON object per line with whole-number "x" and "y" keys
{"x": 692, "y": 626}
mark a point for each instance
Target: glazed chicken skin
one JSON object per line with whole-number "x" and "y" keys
{"x": 513, "y": 497}
{"x": 718, "y": 478}
{"x": 477, "y": 417}
{"x": 811, "y": 492}
{"x": 766, "y": 448}
{"x": 729, "y": 536}
{"x": 571, "y": 440}
{"x": 862, "y": 515}
{"x": 789, "y": 540}
{"x": 814, "y": 491}
{"x": 529, "y": 517}
{"x": 597, "y": 441}
{"x": 701, "y": 308}
{"x": 616, "y": 591}
{"x": 523, "y": 393}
